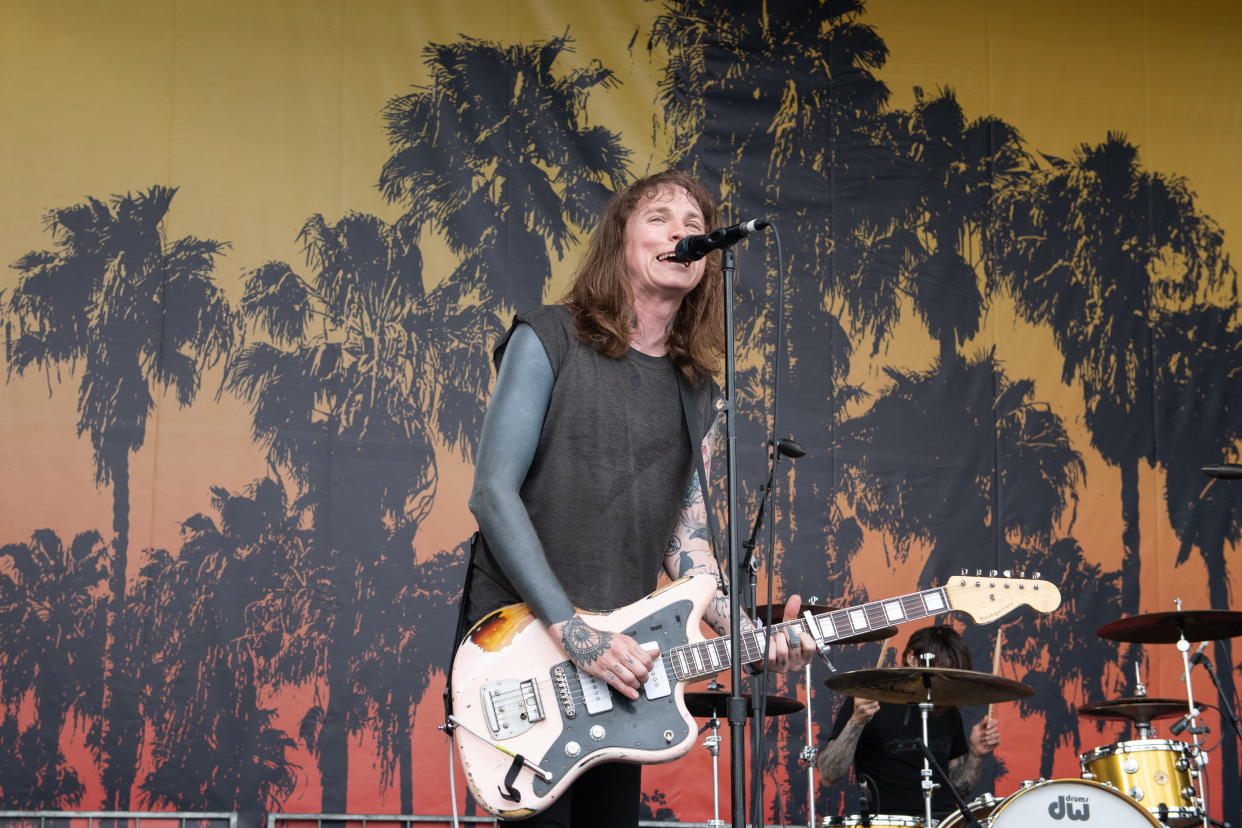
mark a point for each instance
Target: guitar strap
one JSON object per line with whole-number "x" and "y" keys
{"x": 475, "y": 539}
{"x": 696, "y": 450}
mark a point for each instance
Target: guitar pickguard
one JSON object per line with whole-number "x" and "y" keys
{"x": 641, "y": 725}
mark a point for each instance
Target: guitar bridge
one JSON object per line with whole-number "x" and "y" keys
{"x": 511, "y": 707}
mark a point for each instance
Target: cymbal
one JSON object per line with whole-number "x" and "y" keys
{"x": 707, "y": 703}
{"x": 910, "y": 685}
{"x": 778, "y": 612}
{"x": 1138, "y": 709}
{"x": 1168, "y": 627}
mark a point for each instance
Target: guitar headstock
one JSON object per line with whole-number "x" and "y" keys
{"x": 986, "y": 597}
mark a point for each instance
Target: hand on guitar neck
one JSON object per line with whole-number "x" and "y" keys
{"x": 791, "y": 651}
{"x": 617, "y": 659}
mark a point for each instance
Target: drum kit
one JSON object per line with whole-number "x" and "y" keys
{"x": 1143, "y": 781}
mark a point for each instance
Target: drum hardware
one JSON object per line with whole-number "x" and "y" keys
{"x": 980, "y": 807}
{"x": 1172, "y": 627}
{"x": 1181, "y": 627}
{"x": 809, "y": 750}
{"x": 875, "y": 820}
{"x": 1158, "y": 774}
{"x": 714, "y": 703}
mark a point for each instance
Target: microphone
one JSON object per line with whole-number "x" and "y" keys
{"x": 790, "y": 448}
{"x": 1225, "y": 471}
{"x": 693, "y": 248}
{"x": 1199, "y": 657}
{"x": 1181, "y": 723}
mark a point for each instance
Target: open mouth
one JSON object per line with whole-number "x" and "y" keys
{"x": 669, "y": 257}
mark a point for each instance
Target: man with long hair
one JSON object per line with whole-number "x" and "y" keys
{"x": 585, "y": 484}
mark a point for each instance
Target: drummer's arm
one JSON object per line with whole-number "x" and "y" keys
{"x": 965, "y": 769}
{"x": 835, "y": 759}
{"x": 964, "y": 772}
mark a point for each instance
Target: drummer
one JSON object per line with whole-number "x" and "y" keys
{"x": 883, "y": 738}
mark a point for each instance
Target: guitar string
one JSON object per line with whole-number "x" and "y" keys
{"x": 694, "y": 654}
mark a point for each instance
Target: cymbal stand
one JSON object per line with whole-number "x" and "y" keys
{"x": 1143, "y": 728}
{"x": 1200, "y": 758}
{"x": 808, "y": 754}
{"x": 925, "y": 709}
{"x": 712, "y": 743}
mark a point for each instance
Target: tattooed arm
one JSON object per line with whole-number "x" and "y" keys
{"x": 833, "y": 762}
{"x": 510, "y": 435}
{"x": 964, "y": 770}
{"x": 689, "y": 552}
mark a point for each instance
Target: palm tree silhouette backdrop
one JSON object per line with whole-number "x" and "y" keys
{"x": 274, "y": 655}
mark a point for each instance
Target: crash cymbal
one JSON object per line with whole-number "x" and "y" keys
{"x": 1138, "y": 709}
{"x": 707, "y": 703}
{"x": 910, "y": 685}
{"x": 1168, "y": 627}
{"x": 778, "y": 612}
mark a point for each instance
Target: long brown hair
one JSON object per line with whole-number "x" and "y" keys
{"x": 600, "y": 298}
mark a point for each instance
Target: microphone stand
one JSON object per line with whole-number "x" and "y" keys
{"x": 930, "y": 760}
{"x": 737, "y": 702}
{"x": 1226, "y": 704}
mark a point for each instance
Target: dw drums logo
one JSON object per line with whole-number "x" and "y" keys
{"x": 1072, "y": 807}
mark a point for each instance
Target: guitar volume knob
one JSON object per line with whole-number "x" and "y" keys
{"x": 572, "y": 749}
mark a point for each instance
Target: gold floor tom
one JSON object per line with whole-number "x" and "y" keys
{"x": 1158, "y": 774}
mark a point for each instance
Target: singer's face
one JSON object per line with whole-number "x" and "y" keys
{"x": 651, "y": 233}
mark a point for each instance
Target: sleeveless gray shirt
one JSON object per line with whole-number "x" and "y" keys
{"x": 610, "y": 473}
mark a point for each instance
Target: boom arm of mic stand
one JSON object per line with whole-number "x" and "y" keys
{"x": 944, "y": 777}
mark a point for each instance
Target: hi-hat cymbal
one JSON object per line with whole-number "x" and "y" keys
{"x": 909, "y": 685}
{"x": 1168, "y": 627}
{"x": 778, "y": 612}
{"x": 1137, "y": 709}
{"x": 707, "y": 703}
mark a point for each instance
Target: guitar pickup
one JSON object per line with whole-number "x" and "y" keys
{"x": 596, "y": 696}
{"x": 657, "y": 686}
{"x": 511, "y": 706}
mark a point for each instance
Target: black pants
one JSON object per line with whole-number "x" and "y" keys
{"x": 605, "y": 796}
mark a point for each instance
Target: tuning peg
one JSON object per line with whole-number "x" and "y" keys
{"x": 1007, "y": 574}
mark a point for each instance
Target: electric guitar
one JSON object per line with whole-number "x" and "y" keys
{"x": 526, "y": 722}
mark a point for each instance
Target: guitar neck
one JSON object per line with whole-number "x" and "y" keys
{"x": 707, "y": 658}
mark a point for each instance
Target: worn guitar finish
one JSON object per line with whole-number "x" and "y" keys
{"x": 527, "y": 723}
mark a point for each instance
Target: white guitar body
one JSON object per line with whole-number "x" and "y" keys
{"x": 526, "y": 723}
{"x": 511, "y": 645}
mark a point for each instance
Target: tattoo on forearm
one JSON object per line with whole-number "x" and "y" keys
{"x": 584, "y": 644}
{"x": 964, "y": 772}
{"x": 836, "y": 757}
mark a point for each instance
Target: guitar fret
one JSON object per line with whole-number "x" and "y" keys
{"x": 894, "y": 611}
{"x": 681, "y": 663}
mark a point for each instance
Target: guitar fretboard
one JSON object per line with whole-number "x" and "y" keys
{"x": 706, "y": 658}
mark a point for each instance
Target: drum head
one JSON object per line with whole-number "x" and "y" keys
{"x": 1062, "y": 802}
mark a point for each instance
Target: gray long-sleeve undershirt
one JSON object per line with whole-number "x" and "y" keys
{"x": 510, "y": 436}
